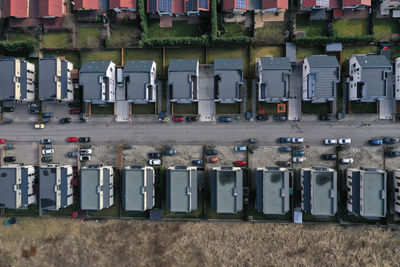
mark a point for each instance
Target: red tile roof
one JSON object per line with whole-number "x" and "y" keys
{"x": 86, "y": 4}
{"x": 311, "y": 3}
{"x": 51, "y": 8}
{"x": 15, "y": 8}
{"x": 122, "y": 3}
{"x": 268, "y": 4}
{"x": 177, "y": 6}
{"x": 356, "y": 2}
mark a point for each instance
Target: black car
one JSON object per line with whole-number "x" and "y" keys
{"x": 191, "y": 119}
{"x": 197, "y": 162}
{"x": 33, "y": 111}
{"x": 328, "y": 156}
{"x": 72, "y": 154}
{"x": 9, "y": 159}
{"x": 298, "y": 147}
{"x": 324, "y": 117}
{"x": 154, "y": 155}
{"x": 47, "y": 159}
{"x": 74, "y": 105}
{"x": 284, "y": 140}
{"x": 390, "y": 140}
{"x": 211, "y": 152}
{"x": 46, "y": 120}
{"x": 84, "y": 139}
{"x": 46, "y": 141}
{"x": 65, "y": 120}
{"x": 8, "y": 109}
{"x": 283, "y": 163}
{"x": 392, "y": 154}
{"x": 285, "y": 149}
{"x": 262, "y": 117}
{"x": 87, "y": 146}
{"x": 280, "y": 118}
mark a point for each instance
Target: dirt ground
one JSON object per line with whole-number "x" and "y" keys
{"x": 366, "y": 156}
{"x": 65, "y": 242}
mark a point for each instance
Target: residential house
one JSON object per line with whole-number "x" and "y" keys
{"x": 17, "y": 79}
{"x": 263, "y": 6}
{"x": 183, "y": 80}
{"x": 272, "y": 190}
{"x": 320, "y": 77}
{"x": 273, "y": 76}
{"x": 396, "y": 186}
{"x": 97, "y": 187}
{"x": 356, "y": 4}
{"x": 390, "y": 5}
{"x": 138, "y": 188}
{"x": 177, "y": 7}
{"x": 55, "y": 188}
{"x": 318, "y": 8}
{"x": 397, "y": 78}
{"x": 319, "y": 191}
{"x": 228, "y": 80}
{"x": 226, "y": 189}
{"x": 86, "y": 4}
{"x": 181, "y": 184}
{"x": 55, "y": 82}
{"x": 366, "y": 192}
{"x": 16, "y": 186}
{"x": 15, "y": 8}
{"x": 98, "y": 81}
{"x": 52, "y": 8}
{"x": 127, "y": 5}
{"x": 369, "y": 78}
{"x": 140, "y": 81}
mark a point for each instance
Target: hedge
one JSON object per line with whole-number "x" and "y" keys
{"x": 143, "y": 17}
{"x": 175, "y": 41}
{"x": 214, "y": 20}
{"x": 18, "y": 47}
{"x": 322, "y": 40}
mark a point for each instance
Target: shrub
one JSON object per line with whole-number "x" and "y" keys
{"x": 18, "y": 47}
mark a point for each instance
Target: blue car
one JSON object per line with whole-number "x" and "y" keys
{"x": 47, "y": 115}
{"x": 285, "y": 149}
{"x": 298, "y": 153}
{"x": 376, "y": 142}
{"x": 224, "y": 119}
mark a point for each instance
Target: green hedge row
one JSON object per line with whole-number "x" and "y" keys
{"x": 175, "y": 41}
{"x": 143, "y": 17}
{"x": 323, "y": 40}
{"x": 18, "y": 47}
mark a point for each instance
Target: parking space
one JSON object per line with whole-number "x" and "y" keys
{"x": 267, "y": 156}
{"x": 26, "y": 153}
{"x": 184, "y": 156}
{"x": 227, "y": 156}
{"x": 20, "y": 113}
{"x": 60, "y": 154}
{"x": 366, "y": 156}
{"x": 313, "y": 155}
{"x": 59, "y": 110}
{"x": 102, "y": 154}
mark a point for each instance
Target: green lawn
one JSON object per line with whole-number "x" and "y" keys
{"x": 227, "y": 108}
{"x": 71, "y": 56}
{"x": 143, "y": 108}
{"x": 348, "y": 51}
{"x": 386, "y": 29}
{"x": 146, "y": 54}
{"x": 271, "y": 33}
{"x": 32, "y": 210}
{"x": 351, "y": 27}
{"x": 242, "y": 53}
{"x": 315, "y": 108}
{"x": 56, "y": 39}
{"x": 88, "y": 37}
{"x": 363, "y": 107}
{"x": 113, "y": 55}
{"x": 303, "y": 52}
{"x": 124, "y": 35}
{"x": 189, "y": 53}
{"x": 236, "y": 30}
{"x": 184, "y": 108}
{"x": 394, "y": 52}
{"x": 178, "y": 29}
{"x": 269, "y": 108}
{"x": 20, "y": 36}
{"x": 103, "y": 109}
{"x": 312, "y": 29}
{"x": 195, "y": 214}
{"x": 112, "y": 211}
{"x": 263, "y": 51}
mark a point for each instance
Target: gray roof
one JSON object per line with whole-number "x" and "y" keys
{"x": 139, "y": 78}
{"x": 275, "y": 80}
{"x": 7, "y": 70}
{"x": 90, "y": 186}
{"x": 138, "y": 188}
{"x": 374, "y": 186}
{"x": 8, "y": 177}
{"x": 291, "y": 51}
{"x": 272, "y": 190}
{"x": 255, "y": 5}
{"x": 183, "y": 65}
{"x": 230, "y": 72}
{"x": 181, "y": 184}
{"x": 47, "y": 183}
{"x": 47, "y": 73}
{"x": 334, "y": 47}
{"x": 275, "y": 63}
{"x": 322, "y": 61}
{"x": 228, "y": 64}
{"x": 226, "y": 190}
{"x": 138, "y": 65}
{"x": 373, "y": 61}
{"x": 95, "y": 66}
{"x": 180, "y": 72}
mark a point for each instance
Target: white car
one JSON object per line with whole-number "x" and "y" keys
{"x": 155, "y": 162}
{"x": 346, "y": 160}
{"x": 47, "y": 151}
{"x": 344, "y": 141}
{"x": 299, "y": 159}
{"x": 330, "y": 141}
{"x": 86, "y": 151}
{"x": 297, "y": 140}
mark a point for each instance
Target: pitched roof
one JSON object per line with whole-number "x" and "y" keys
{"x": 347, "y": 3}
{"x": 268, "y": 4}
{"x": 228, "y": 64}
{"x": 275, "y": 63}
{"x": 321, "y": 3}
{"x": 95, "y": 66}
{"x": 322, "y": 61}
{"x": 86, "y": 4}
{"x": 373, "y": 61}
{"x": 51, "y": 8}
{"x": 138, "y": 66}
{"x": 122, "y": 4}
{"x": 235, "y": 4}
{"x": 15, "y": 8}
{"x": 183, "y": 65}
{"x": 181, "y": 189}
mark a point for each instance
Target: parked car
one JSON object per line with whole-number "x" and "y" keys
{"x": 177, "y": 118}
{"x": 33, "y": 111}
{"x": 390, "y": 140}
{"x": 74, "y": 111}
{"x": 328, "y": 156}
{"x": 283, "y": 163}
{"x": 84, "y": 139}
{"x": 46, "y": 141}
{"x": 346, "y": 160}
{"x": 240, "y": 163}
{"x": 392, "y": 154}
{"x": 46, "y": 120}
{"x": 298, "y": 153}
{"x": 72, "y": 154}
{"x": 72, "y": 139}
{"x": 8, "y": 120}
{"x": 240, "y": 148}
{"x": 48, "y": 146}
{"x": 280, "y": 118}
{"x": 344, "y": 141}
{"x": 197, "y": 162}
{"x": 262, "y": 117}
{"x": 39, "y": 126}
{"x": 33, "y": 105}
{"x": 65, "y": 120}
{"x": 224, "y": 119}
{"x": 211, "y": 152}
{"x": 298, "y": 147}
{"x": 376, "y": 142}
{"x": 285, "y": 149}
{"x": 8, "y": 109}
{"x": 284, "y": 140}
{"x": 297, "y": 140}
{"x": 85, "y": 151}
{"x": 47, "y": 159}
{"x": 154, "y": 155}
{"x": 299, "y": 159}
{"x": 191, "y": 118}
{"x": 47, "y": 151}
{"x": 155, "y": 162}
{"x": 10, "y": 146}
{"x": 74, "y": 105}
{"x": 85, "y": 158}
{"x": 211, "y": 159}
{"x": 324, "y": 117}
{"x": 47, "y": 115}
{"x": 86, "y": 146}
{"x": 2, "y": 141}
{"x": 170, "y": 152}
{"x": 9, "y": 159}
{"x": 330, "y": 141}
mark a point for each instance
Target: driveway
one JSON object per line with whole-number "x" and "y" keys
{"x": 206, "y": 105}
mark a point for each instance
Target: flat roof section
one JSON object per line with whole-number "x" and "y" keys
{"x": 90, "y": 197}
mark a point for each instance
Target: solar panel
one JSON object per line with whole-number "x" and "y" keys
{"x": 203, "y": 4}
{"x": 241, "y": 4}
{"x": 191, "y": 5}
{"x": 152, "y": 5}
{"x": 165, "y": 5}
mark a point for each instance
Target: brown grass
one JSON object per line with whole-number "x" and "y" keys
{"x": 64, "y": 242}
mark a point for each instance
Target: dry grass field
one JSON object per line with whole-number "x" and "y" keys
{"x": 65, "y": 242}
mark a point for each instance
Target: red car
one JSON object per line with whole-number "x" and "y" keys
{"x": 177, "y": 118}
{"x": 240, "y": 163}
{"x": 72, "y": 139}
{"x": 74, "y": 111}
{"x": 2, "y": 141}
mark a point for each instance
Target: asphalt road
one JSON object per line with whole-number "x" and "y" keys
{"x": 201, "y": 133}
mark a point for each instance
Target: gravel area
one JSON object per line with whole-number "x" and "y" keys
{"x": 366, "y": 156}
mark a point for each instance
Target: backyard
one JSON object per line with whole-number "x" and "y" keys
{"x": 178, "y": 29}
{"x": 303, "y": 52}
{"x": 113, "y": 55}
{"x": 351, "y": 27}
{"x": 88, "y": 37}
{"x": 242, "y": 53}
{"x": 312, "y": 29}
{"x": 124, "y": 35}
{"x": 236, "y": 30}
{"x": 72, "y": 56}
{"x": 56, "y": 39}
{"x": 258, "y": 52}
{"x": 146, "y": 54}
{"x": 272, "y": 33}
{"x": 386, "y": 29}
{"x": 348, "y": 51}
